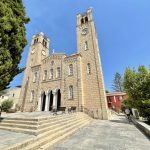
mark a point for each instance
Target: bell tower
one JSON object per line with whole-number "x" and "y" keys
{"x": 38, "y": 51}
{"x": 94, "y": 97}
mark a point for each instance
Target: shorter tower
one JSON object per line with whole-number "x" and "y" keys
{"x": 39, "y": 50}
{"x": 93, "y": 91}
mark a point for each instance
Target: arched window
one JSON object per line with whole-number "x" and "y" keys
{"x": 52, "y": 63}
{"x": 86, "y": 45}
{"x": 32, "y": 96}
{"x": 58, "y": 73}
{"x": 51, "y": 74}
{"x": 86, "y": 19}
{"x": 70, "y": 92}
{"x": 45, "y": 75}
{"x": 35, "y": 77}
{"x": 71, "y": 69}
{"x": 44, "y": 43}
{"x": 36, "y": 40}
{"x": 88, "y": 68}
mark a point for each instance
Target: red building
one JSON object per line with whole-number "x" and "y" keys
{"x": 114, "y": 100}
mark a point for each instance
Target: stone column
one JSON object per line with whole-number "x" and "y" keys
{"x": 55, "y": 99}
{"x": 47, "y": 103}
{"x": 39, "y": 103}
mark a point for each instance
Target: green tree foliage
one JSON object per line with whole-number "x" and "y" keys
{"x": 6, "y": 105}
{"x": 127, "y": 103}
{"x": 106, "y": 91}
{"x": 12, "y": 39}
{"x": 137, "y": 86}
{"x": 118, "y": 83}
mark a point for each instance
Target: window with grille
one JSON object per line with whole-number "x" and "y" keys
{"x": 70, "y": 92}
{"x": 58, "y": 72}
{"x": 35, "y": 77}
{"x": 70, "y": 69}
{"x": 52, "y": 63}
{"x": 32, "y": 96}
{"x": 88, "y": 68}
{"x": 45, "y": 75}
{"x": 86, "y": 45}
{"x": 51, "y": 73}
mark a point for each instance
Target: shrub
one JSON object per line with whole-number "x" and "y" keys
{"x": 6, "y": 105}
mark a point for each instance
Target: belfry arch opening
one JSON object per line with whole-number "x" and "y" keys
{"x": 86, "y": 19}
{"x": 82, "y": 21}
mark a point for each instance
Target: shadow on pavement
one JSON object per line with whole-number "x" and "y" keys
{"x": 120, "y": 115}
{"x": 120, "y": 121}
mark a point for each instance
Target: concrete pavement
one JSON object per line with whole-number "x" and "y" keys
{"x": 115, "y": 134}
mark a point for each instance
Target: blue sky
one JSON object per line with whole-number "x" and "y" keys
{"x": 123, "y": 28}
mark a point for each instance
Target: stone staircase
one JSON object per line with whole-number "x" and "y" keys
{"x": 48, "y": 130}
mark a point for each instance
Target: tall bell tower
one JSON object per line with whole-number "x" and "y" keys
{"x": 93, "y": 97}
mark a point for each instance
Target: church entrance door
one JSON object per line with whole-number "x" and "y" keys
{"x": 58, "y": 99}
{"x": 50, "y": 101}
{"x": 43, "y": 101}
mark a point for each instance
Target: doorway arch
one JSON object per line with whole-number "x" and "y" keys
{"x": 50, "y": 100}
{"x": 43, "y": 101}
{"x": 58, "y": 98}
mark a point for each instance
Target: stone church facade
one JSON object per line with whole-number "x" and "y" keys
{"x": 56, "y": 80}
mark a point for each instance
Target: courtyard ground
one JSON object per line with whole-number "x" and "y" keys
{"x": 116, "y": 134}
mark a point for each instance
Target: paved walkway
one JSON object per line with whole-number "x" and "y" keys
{"x": 116, "y": 134}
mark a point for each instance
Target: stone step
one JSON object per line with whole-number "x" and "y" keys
{"x": 36, "y": 145}
{"x": 37, "y": 125}
{"x": 58, "y": 121}
{"x": 62, "y": 137}
{"x": 17, "y": 118}
{"x": 56, "y": 129}
{"x": 32, "y": 131}
{"x": 19, "y": 122}
{"x": 48, "y": 133}
{"x": 30, "y": 118}
{"x": 32, "y": 127}
{"x": 33, "y": 120}
{"x": 57, "y": 118}
{"x": 58, "y": 125}
{"x": 19, "y": 130}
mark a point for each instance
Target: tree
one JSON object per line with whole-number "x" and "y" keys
{"x": 137, "y": 86}
{"x": 12, "y": 39}
{"x": 3, "y": 92}
{"x": 106, "y": 91}
{"x": 6, "y": 105}
{"x": 118, "y": 83}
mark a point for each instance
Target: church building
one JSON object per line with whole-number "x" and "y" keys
{"x": 53, "y": 80}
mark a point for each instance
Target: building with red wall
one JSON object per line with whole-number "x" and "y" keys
{"x": 114, "y": 100}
